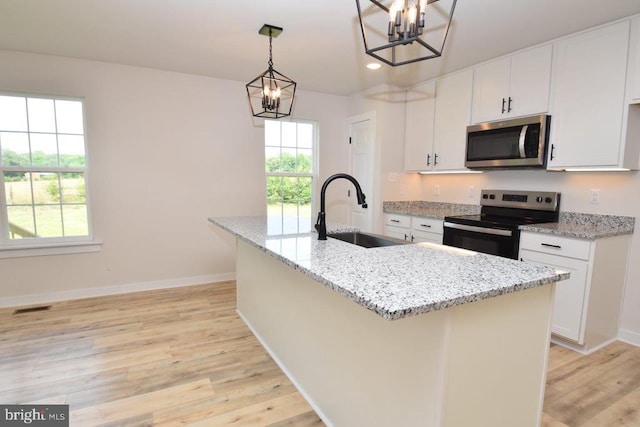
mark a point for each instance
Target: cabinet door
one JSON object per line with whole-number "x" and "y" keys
{"x": 418, "y": 236}
{"x": 588, "y": 98}
{"x": 634, "y": 60}
{"x": 418, "y": 136}
{"x": 569, "y": 303}
{"x": 490, "y": 89}
{"x": 530, "y": 82}
{"x": 453, "y": 115}
{"x": 397, "y": 232}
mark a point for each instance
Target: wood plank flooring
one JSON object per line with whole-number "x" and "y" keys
{"x": 184, "y": 357}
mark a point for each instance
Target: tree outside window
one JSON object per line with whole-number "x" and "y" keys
{"x": 289, "y": 165}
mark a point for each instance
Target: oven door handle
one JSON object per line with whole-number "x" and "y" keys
{"x": 523, "y": 137}
{"x": 476, "y": 229}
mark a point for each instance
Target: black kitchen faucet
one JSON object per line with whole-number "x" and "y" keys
{"x": 321, "y": 225}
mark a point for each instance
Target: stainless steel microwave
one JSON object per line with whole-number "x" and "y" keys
{"x": 516, "y": 143}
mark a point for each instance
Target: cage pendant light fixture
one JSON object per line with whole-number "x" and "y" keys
{"x": 271, "y": 94}
{"x": 405, "y": 31}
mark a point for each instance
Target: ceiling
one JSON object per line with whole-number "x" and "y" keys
{"x": 321, "y": 46}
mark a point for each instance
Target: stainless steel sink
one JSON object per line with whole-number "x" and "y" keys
{"x": 366, "y": 240}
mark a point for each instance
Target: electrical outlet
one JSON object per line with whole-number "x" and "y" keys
{"x": 594, "y": 198}
{"x": 472, "y": 191}
{"x": 436, "y": 190}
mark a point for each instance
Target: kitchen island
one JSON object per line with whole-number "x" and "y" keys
{"x": 418, "y": 334}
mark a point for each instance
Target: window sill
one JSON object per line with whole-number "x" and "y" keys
{"x": 50, "y": 249}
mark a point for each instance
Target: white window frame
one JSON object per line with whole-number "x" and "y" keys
{"x": 13, "y": 248}
{"x": 314, "y": 165}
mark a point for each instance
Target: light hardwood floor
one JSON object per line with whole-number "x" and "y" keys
{"x": 184, "y": 357}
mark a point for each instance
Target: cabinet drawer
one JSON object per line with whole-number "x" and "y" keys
{"x": 397, "y": 220}
{"x": 556, "y": 245}
{"x": 431, "y": 225}
{"x": 397, "y": 232}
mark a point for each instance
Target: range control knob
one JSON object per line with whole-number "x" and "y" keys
{"x": 539, "y": 199}
{"x": 548, "y": 200}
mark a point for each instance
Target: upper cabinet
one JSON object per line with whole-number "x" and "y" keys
{"x": 452, "y": 116}
{"x": 513, "y": 86}
{"x": 634, "y": 62}
{"x": 436, "y": 118}
{"x": 419, "y": 118}
{"x": 588, "y": 99}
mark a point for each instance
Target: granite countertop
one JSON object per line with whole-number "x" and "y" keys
{"x": 393, "y": 281}
{"x": 570, "y": 224}
{"x": 437, "y": 210}
{"x": 585, "y": 226}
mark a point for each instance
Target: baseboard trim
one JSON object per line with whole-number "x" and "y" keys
{"x": 24, "y": 300}
{"x": 629, "y": 337}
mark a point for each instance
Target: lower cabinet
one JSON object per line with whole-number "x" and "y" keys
{"x": 413, "y": 229}
{"x": 587, "y": 305}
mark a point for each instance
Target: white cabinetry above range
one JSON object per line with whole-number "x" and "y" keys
{"x": 513, "y": 86}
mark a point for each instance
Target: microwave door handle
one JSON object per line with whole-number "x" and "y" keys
{"x": 476, "y": 229}
{"x": 523, "y": 137}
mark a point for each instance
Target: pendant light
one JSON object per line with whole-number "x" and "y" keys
{"x": 405, "y": 31}
{"x": 271, "y": 94}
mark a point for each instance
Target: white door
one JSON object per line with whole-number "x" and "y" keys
{"x": 361, "y": 137}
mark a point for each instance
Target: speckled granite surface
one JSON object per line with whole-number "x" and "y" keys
{"x": 430, "y": 209}
{"x": 393, "y": 281}
{"x": 585, "y": 226}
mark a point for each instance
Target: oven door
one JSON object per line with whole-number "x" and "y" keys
{"x": 489, "y": 240}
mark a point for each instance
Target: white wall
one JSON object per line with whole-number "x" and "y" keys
{"x": 619, "y": 195}
{"x": 166, "y": 151}
{"x": 388, "y": 104}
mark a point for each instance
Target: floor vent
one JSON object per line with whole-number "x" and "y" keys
{"x": 32, "y": 309}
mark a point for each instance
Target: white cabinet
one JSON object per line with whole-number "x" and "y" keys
{"x": 452, "y": 116}
{"x": 419, "y": 118}
{"x": 588, "y": 98}
{"x": 634, "y": 61}
{"x": 587, "y": 305}
{"x": 398, "y": 226}
{"x": 412, "y": 228}
{"x": 426, "y": 230}
{"x": 436, "y": 118}
{"x": 513, "y": 86}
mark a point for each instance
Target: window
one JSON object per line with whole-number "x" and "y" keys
{"x": 42, "y": 170}
{"x": 290, "y": 168}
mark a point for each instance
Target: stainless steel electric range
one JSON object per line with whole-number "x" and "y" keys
{"x": 496, "y": 229}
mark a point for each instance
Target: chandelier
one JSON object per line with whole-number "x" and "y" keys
{"x": 271, "y": 94}
{"x": 405, "y": 31}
